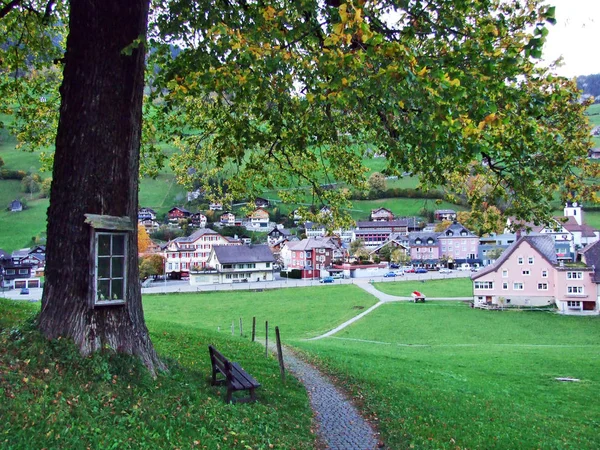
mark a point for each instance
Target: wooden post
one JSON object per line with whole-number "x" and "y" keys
{"x": 266, "y": 339}
{"x": 253, "y": 329}
{"x": 232, "y": 327}
{"x": 280, "y": 354}
{"x": 241, "y": 327}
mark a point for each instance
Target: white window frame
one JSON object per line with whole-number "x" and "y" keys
{"x": 542, "y": 286}
{"x": 526, "y": 273}
{"x": 505, "y": 273}
{"x": 98, "y": 301}
{"x": 530, "y": 260}
{"x": 484, "y": 285}
{"x": 520, "y": 260}
{"x": 577, "y": 290}
{"x": 574, "y": 275}
{"x": 505, "y": 286}
{"x": 518, "y": 286}
{"x": 544, "y": 273}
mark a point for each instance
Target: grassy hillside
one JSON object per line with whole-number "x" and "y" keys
{"x": 52, "y": 398}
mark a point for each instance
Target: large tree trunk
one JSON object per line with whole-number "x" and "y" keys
{"x": 96, "y": 172}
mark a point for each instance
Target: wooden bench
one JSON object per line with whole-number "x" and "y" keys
{"x": 234, "y": 377}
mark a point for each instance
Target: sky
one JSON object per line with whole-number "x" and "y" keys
{"x": 575, "y": 37}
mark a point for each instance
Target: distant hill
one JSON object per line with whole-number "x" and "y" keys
{"x": 590, "y": 85}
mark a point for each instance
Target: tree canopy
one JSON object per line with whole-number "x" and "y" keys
{"x": 291, "y": 95}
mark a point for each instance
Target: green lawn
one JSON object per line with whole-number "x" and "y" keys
{"x": 53, "y": 398}
{"x": 443, "y": 375}
{"x": 18, "y": 228}
{"x": 451, "y": 287}
{"x": 298, "y": 312}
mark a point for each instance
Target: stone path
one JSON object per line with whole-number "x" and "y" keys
{"x": 339, "y": 424}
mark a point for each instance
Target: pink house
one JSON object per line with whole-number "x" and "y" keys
{"x": 528, "y": 273}
{"x": 458, "y": 243}
{"x": 424, "y": 248}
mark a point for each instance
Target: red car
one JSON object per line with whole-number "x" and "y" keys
{"x": 409, "y": 270}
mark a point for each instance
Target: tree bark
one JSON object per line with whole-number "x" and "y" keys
{"x": 96, "y": 171}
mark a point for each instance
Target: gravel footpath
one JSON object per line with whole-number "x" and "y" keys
{"x": 339, "y": 425}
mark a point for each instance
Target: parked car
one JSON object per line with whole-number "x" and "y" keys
{"x": 421, "y": 270}
{"x": 24, "y": 291}
{"x": 326, "y": 280}
{"x": 409, "y": 270}
{"x": 389, "y": 274}
{"x": 394, "y": 266}
{"x": 445, "y": 270}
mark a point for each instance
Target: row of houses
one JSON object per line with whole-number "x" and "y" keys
{"x": 257, "y": 220}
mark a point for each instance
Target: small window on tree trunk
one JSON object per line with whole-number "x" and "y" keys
{"x": 111, "y": 262}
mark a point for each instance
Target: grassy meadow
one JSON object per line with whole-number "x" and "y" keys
{"x": 433, "y": 375}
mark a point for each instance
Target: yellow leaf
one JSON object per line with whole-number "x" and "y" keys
{"x": 343, "y": 10}
{"x": 422, "y": 72}
{"x": 358, "y": 15}
{"x": 455, "y": 82}
{"x": 338, "y": 28}
{"x": 401, "y": 104}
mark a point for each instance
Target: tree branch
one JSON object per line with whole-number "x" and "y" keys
{"x": 9, "y": 7}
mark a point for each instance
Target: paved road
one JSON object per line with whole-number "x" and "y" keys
{"x": 184, "y": 286}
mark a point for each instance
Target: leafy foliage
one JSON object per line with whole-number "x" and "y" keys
{"x": 278, "y": 92}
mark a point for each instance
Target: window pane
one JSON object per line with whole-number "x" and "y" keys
{"x": 118, "y": 244}
{"x": 103, "y": 290}
{"x": 117, "y": 290}
{"x": 103, "y": 267}
{"x": 103, "y": 244}
{"x": 118, "y": 266}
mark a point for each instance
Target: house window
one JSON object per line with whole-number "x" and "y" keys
{"x": 530, "y": 260}
{"x": 505, "y": 274}
{"x": 10, "y": 271}
{"x": 542, "y": 286}
{"x": 571, "y": 304}
{"x": 544, "y": 274}
{"x": 574, "y": 289}
{"x": 526, "y": 272}
{"x": 518, "y": 286}
{"x": 23, "y": 271}
{"x": 484, "y": 285}
{"x": 505, "y": 286}
{"x": 520, "y": 260}
{"x": 574, "y": 275}
{"x": 111, "y": 268}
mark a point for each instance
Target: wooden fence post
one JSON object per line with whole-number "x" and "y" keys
{"x": 241, "y": 327}
{"x": 280, "y": 354}
{"x": 266, "y": 339}
{"x": 253, "y": 328}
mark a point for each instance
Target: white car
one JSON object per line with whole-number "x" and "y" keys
{"x": 445, "y": 270}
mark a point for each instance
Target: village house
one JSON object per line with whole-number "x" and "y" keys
{"x": 15, "y": 206}
{"x": 490, "y": 246}
{"x": 458, "y": 245}
{"x": 260, "y": 202}
{"x": 395, "y": 241}
{"x": 381, "y": 214}
{"x": 198, "y": 220}
{"x": 235, "y": 264}
{"x": 444, "y": 214}
{"x": 184, "y": 253}
{"x": 258, "y": 220}
{"x": 314, "y": 230}
{"x": 424, "y": 248}
{"x": 146, "y": 214}
{"x": 529, "y": 273}
{"x": 178, "y": 214}
{"x": 227, "y": 219}
{"x": 311, "y": 256}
